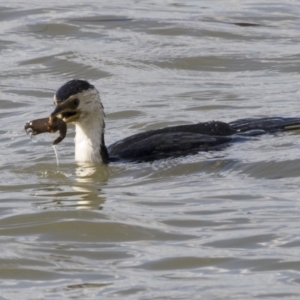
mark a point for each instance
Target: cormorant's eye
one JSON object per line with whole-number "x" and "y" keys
{"x": 75, "y": 102}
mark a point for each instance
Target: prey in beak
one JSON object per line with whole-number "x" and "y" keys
{"x": 67, "y": 111}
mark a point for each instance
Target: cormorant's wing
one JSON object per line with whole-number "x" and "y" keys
{"x": 190, "y": 139}
{"x": 265, "y": 125}
{"x": 164, "y": 145}
{"x": 207, "y": 128}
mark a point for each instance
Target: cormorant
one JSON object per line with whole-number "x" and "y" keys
{"x": 78, "y": 102}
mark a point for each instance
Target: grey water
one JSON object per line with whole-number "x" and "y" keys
{"x": 217, "y": 225}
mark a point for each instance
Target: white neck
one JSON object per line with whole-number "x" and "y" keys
{"x": 89, "y": 132}
{"x": 88, "y": 143}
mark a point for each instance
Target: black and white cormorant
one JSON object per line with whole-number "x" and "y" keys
{"x": 78, "y": 102}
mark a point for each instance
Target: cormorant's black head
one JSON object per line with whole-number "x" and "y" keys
{"x": 71, "y": 88}
{"x": 75, "y": 99}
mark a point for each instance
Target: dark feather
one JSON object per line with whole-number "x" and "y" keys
{"x": 190, "y": 139}
{"x": 72, "y": 87}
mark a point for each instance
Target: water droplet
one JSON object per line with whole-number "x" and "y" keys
{"x": 56, "y": 154}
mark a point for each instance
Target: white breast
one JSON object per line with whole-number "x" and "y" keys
{"x": 87, "y": 145}
{"x": 89, "y": 128}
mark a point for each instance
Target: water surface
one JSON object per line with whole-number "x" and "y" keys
{"x": 218, "y": 225}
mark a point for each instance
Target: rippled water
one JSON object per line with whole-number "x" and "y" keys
{"x": 219, "y": 225}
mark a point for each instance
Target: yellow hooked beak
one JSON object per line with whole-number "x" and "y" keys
{"x": 67, "y": 111}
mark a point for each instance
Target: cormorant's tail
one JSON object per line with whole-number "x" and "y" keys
{"x": 265, "y": 125}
